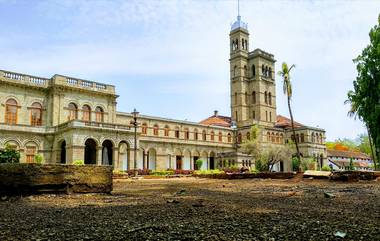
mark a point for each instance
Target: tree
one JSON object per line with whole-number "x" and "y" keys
{"x": 365, "y": 97}
{"x": 266, "y": 157}
{"x": 9, "y": 155}
{"x": 288, "y": 91}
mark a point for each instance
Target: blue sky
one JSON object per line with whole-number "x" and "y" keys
{"x": 170, "y": 58}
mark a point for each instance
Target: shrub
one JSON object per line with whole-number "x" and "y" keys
{"x": 326, "y": 168}
{"x": 78, "y": 162}
{"x": 140, "y": 172}
{"x": 233, "y": 169}
{"x": 206, "y": 172}
{"x": 198, "y": 163}
{"x": 295, "y": 164}
{"x": 9, "y": 155}
{"x": 307, "y": 164}
{"x": 162, "y": 173}
{"x": 39, "y": 159}
{"x": 183, "y": 172}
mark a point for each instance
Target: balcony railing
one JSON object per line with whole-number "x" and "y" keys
{"x": 25, "y": 79}
{"x": 100, "y": 125}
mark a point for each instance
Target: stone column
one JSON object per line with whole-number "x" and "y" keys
{"x": 115, "y": 157}
{"x": 99, "y": 155}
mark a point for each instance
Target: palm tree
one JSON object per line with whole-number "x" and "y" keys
{"x": 287, "y": 87}
{"x": 353, "y": 113}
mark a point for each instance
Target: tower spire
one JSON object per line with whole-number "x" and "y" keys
{"x": 238, "y": 8}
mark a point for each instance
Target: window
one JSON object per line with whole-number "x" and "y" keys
{"x": 212, "y": 135}
{"x": 266, "y": 115}
{"x": 99, "y": 114}
{"x": 236, "y": 99}
{"x": 270, "y": 98}
{"x": 36, "y": 114}
{"x": 254, "y": 97}
{"x": 312, "y": 137}
{"x": 166, "y": 131}
{"x": 86, "y": 113}
{"x": 245, "y": 71}
{"x": 298, "y": 138}
{"x": 235, "y": 71}
{"x": 177, "y": 132}
{"x": 273, "y": 137}
{"x": 270, "y": 72}
{"x": 195, "y": 134}
{"x": 302, "y": 137}
{"x": 155, "y": 130}
{"x": 270, "y": 116}
{"x": 277, "y": 138}
{"x": 73, "y": 111}
{"x": 263, "y": 70}
{"x": 11, "y": 112}
{"x": 266, "y": 71}
{"x": 239, "y": 138}
{"x": 204, "y": 135}
{"x": 253, "y": 71}
{"x": 220, "y": 136}
{"x": 268, "y": 136}
{"x": 281, "y": 138}
{"x": 30, "y": 153}
{"x": 229, "y": 137}
{"x": 253, "y": 115}
{"x": 266, "y": 97}
{"x": 187, "y": 134}
{"x": 144, "y": 129}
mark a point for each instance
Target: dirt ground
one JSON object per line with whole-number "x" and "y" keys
{"x": 200, "y": 209}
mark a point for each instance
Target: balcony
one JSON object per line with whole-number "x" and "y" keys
{"x": 24, "y": 79}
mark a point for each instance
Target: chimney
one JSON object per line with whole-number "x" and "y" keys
{"x": 215, "y": 113}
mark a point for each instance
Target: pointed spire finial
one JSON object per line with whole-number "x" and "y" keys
{"x": 238, "y": 8}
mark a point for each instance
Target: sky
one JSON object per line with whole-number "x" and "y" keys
{"x": 170, "y": 58}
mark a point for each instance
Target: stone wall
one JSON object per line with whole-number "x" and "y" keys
{"x": 34, "y": 178}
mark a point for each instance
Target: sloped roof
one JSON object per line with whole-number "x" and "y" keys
{"x": 347, "y": 154}
{"x": 217, "y": 120}
{"x": 284, "y": 122}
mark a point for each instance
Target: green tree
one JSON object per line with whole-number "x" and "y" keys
{"x": 288, "y": 91}
{"x": 9, "y": 155}
{"x": 365, "y": 97}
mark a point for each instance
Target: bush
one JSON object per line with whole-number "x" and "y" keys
{"x": 162, "y": 173}
{"x": 140, "y": 172}
{"x": 260, "y": 166}
{"x": 78, "y": 162}
{"x": 307, "y": 164}
{"x": 233, "y": 169}
{"x": 198, "y": 163}
{"x": 295, "y": 164}
{"x": 207, "y": 172}
{"x": 326, "y": 168}
{"x": 39, "y": 159}
{"x": 9, "y": 155}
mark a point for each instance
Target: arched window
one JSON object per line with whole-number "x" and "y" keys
{"x": 155, "y": 130}
{"x": 220, "y": 136}
{"x": 268, "y": 136}
{"x": 253, "y": 70}
{"x": 204, "y": 135}
{"x": 99, "y": 114}
{"x": 246, "y": 44}
{"x": 177, "y": 132}
{"x": 187, "y": 134}
{"x": 266, "y": 97}
{"x": 229, "y": 137}
{"x": 86, "y": 113}
{"x": 270, "y": 98}
{"x": 254, "y": 97}
{"x": 195, "y": 134}
{"x": 270, "y": 72}
{"x": 235, "y": 71}
{"x": 212, "y": 134}
{"x": 266, "y": 71}
{"x": 166, "y": 130}
{"x": 243, "y": 43}
{"x": 312, "y": 137}
{"x": 277, "y": 138}
{"x": 321, "y": 139}
{"x": 273, "y": 137}
{"x": 254, "y": 115}
{"x": 36, "y": 114}
{"x": 239, "y": 138}
{"x": 73, "y": 111}
{"x": 236, "y": 99}
{"x": 263, "y": 70}
{"x": 302, "y": 137}
{"x": 245, "y": 71}
{"x": 144, "y": 128}
{"x": 11, "y": 112}
{"x": 248, "y": 136}
{"x": 298, "y": 138}
{"x": 281, "y": 138}
{"x": 270, "y": 116}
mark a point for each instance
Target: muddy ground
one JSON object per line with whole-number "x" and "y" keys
{"x": 200, "y": 209}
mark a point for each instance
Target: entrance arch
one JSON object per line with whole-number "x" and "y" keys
{"x": 124, "y": 156}
{"x": 107, "y": 155}
{"x": 151, "y": 156}
{"x": 212, "y": 161}
{"x": 90, "y": 151}
{"x": 63, "y": 152}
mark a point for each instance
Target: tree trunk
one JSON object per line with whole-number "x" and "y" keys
{"x": 370, "y": 144}
{"x": 294, "y": 132}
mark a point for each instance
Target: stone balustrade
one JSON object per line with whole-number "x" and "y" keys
{"x": 56, "y": 80}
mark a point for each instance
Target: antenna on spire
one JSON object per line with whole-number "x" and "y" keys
{"x": 239, "y": 8}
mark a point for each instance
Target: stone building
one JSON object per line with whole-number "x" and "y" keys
{"x": 65, "y": 119}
